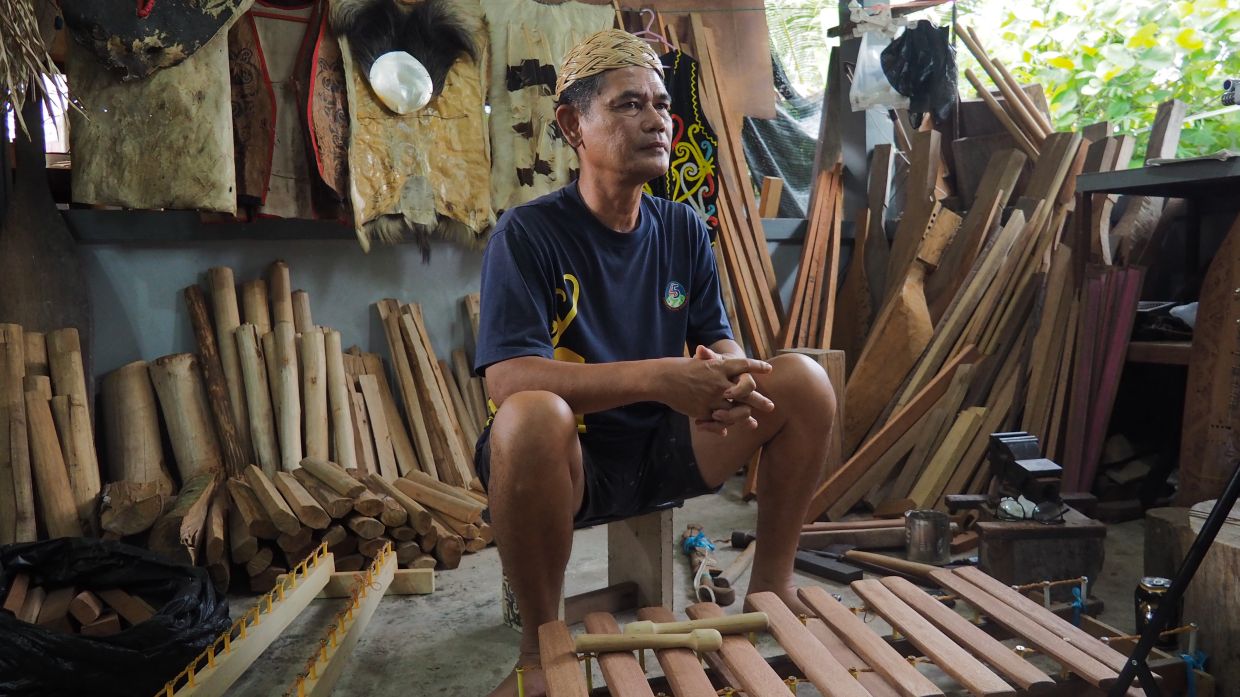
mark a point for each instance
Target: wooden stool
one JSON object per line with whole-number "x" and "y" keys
{"x": 639, "y": 571}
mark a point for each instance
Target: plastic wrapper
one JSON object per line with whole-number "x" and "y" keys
{"x": 921, "y": 65}
{"x": 870, "y": 87}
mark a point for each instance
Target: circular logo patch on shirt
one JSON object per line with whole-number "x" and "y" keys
{"x": 675, "y": 296}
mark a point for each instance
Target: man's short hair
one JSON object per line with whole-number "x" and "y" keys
{"x": 581, "y": 94}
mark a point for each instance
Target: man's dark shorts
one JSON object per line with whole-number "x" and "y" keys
{"x": 625, "y": 480}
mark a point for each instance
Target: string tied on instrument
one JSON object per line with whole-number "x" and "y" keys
{"x": 1193, "y": 661}
{"x": 1078, "y": 606}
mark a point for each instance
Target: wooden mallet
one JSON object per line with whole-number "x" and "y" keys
{"x": 700, "y": 640}
{"x": 731, "y": 624}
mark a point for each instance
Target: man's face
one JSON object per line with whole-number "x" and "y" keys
{"x": 626, "y": 133}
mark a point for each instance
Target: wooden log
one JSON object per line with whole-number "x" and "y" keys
{"x": 334, "y": 476}
{"x": 345, "y": 547}
{"x": 389, "y": 314}
{"x": 280, "y": 290}
{"x": 294, "y": 542}
{"x": 17, "y": 505}
{"x": 334, "y": 535}
{"x": 364, "y": 527}
{"x": 449, "y": 549}
{"x": 681, "y": 666}
{"x": 394, "y": 515}
{"x": 559, "y": 661}
{"x": 314, "y": 394}
{"x": 304, "y": 506}
{"x": 183, "y": 402}
{"x": 255, "y": 518}
{"x": 419, "y": 517}
{"x": 178, "y": 534}
{"x": 407, "y": 552}
{"x": 86, "y": 607}
{"x": 334, "y": 504}
{"x": 35, "y": 350}
{"x": 439, "y": 422}
{"x": 876, "y": 652}
{"x": 31, "y": 605}
{"x": 58, "y": 508}
{"x": 947, "y": 655}
{"x": 265, "y": 581}
{"x": 385, "y": 456}
{"x": 16, "y": 597}
{"x": 258, "y": 398}
{"x": 1003, "y": 117}
{"x": 260, "y": 562}
{"x": 272, "y": 502}
{"x": 109, "y": 623}
{"x": 130, "y": 508}
{"x": 465, "y": 494}
{"x": 821, "y": 668}
{"x": 432, "y": 498}
{"x": 752, "y": 673}
{"x": 368, "y": 504}
{"x": 131, "y": 428}
{"x": 227, "y": 318}
{"x": 286, "y": 394}
{"x": 39, "y": 384}
{"x": 424, "y": 562}
{"x": 406, "y": 458}
{"x": 344, "y": 447}
{"x": 404, "y": 533}
{"x": 350, "y": 562}
{"x": 254, "y": 305}
{"x": 367, "y": 460}
{"x": 68, "y": 377}
{"x": 302, "y": 319}
{"x": 475, "y": 545}
{"x": 54, "y": 613}
{"x": 216, "y": 385}
{"x": 215, "y": 543}
{"x": 242, "y": 542}
{"x": 371, "y": 548}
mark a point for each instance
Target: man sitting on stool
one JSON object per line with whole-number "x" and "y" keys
{"x": 590, "y": 296}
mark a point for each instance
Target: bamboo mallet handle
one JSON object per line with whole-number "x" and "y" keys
{"x": 700, "y": 640}
{"x": 731, "y": 624}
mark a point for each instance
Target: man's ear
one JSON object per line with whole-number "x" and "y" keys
{"x": 569, "y": 120}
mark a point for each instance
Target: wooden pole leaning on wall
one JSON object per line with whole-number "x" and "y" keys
{"x": 344, "y": 447}
{"x": 231, "y": 448}
{"x": 36, "y": 353}
{"x": 258, "y": 398}
{"x": 314, "y": 393}
{"x": 254, "y": 301}
{"x": 57, "y": 506}
{"x": 134, "y": 452}
{"x": 183, "y": 402}
{"x": 17, "y": 506}
{"x": 280, "y": 290}
{"x": 227, "y": 318}
{"x": 303, "y": 321}
{"x": 286, "y": 391}
{"x": 64, "y": 353}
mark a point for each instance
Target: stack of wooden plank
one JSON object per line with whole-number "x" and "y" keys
{"x": 812, "y": 314}
{"x": 49, "y": 468}
{"x": 72, "y": 611}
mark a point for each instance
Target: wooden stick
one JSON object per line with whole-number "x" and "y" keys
{"x": 134, "y": 452}
{"x": 394, "y": 515}
{"x": 16, "y": 598}
{"x": 256, "y": 520}
{"x": 385, "y": 455}
{"x": 179, "y": 532}
{"x": 470, "y": 386}
{"x": 227, "y": 318}
{"x": 700, "y": 640}
{"x": 213, "y": 378}
{"x": 242, "y": 543}
{"x": 183, "y": 401}
{"x": 1020, "y": 115}
{"x": 441, "y": 418}
{"x": 732, "y": 624}
{"x": 219, "y": 566}
{"x": 64, "y": 352}
{"x": 314, "y": 393}
{"x": 464, "y": 419}
{"x": 17, "y": 506}
{"x": 1044, "y": 125}
{"x": 280, "y": 288}
{"x": 335, "y": 477}
{"x": 1002, "y": 116}
{"x": 368, "y": 504}
{"x": 286, "y": 393}
{"x": 272, "y": 502}
{"x": 57, "y": 506}
{"x": 302, "y": 320}
{"x": 768, "y": 199}
{"x": 254, "y": 301}
{"x": 304, "y": 506}
{"x": 258, "y": 398}
{"x": 344, "y": 449}
{"x": 364, "y": 527}
{"x": 402, "y": 446}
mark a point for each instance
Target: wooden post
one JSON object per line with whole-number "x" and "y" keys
{"x": 314, "y": 393}
{"x": 304, "y": 506}
{"x": 287, "y": 393}
{"x": 258, "y": 398}
{"x": 36, "y": 353}
{"x": 280, "y": 289}
{"x": 69, "y": 379}
{"x": 183, "y": 401}
{"x": 254, "y": 299}
{"x": 227, "y": 319}
{"x": 131, "y": 428}
{"x": 230, "y": 443}
{"x": 17, "y": 507}
{"x": 57, "y": 506}
{"x": 302, "y": 319}
{"x": 344, "y": 448}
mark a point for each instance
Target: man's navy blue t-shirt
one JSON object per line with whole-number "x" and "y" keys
{"x": 557, "y": 283}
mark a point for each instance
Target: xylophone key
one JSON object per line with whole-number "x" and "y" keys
{"x": 559, "y": 661}
{"x": 870, "y": 680}
{"x": 681, "y": 666}
{"x": 624, "y": 676}
{"x": 868, "y": 645}
{"x": 950, "y": 658}
{"x": 820, "y": 667}
{"x": 750, "y": 670}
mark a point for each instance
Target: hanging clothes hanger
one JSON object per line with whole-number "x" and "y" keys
{"x": 648, "y": 33}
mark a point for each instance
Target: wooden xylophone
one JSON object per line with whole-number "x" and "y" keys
{"x": 838, "y": 653}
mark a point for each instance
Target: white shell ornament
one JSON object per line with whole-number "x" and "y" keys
{"x": 401, "y": 82}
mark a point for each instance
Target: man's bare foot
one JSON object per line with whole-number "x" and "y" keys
{"x": 786, "y": 593}
{"x": 532, "y": 679}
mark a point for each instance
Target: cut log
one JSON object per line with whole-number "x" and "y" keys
{"x": 271, "y": 501}
{"x": 304, "y": 506}
{"x": 231, "y": 447}
{"x": 314, "y": 393}
{"x": 419, "y": 517}
{"x": 334, "y": 476}
{"x": 365, "y": 527}
{"x": 129, "y": 508}
{"x": 251, "y": 511}
{"x": 241, "y": 541}
{"x": 389, "y": 314}
{"x": 265, "y": 581}
{"x": 394, "y": 515}
{"x": 16, "y": 597}
{"x": 86, "y": 607}
{"x": 406, "y": 459}
{"x": 350, "y": 562}
{"x": 54, "y": 614}
{"x": 286, "y": 395}
{"x": 64, "y": 353}
{"x": 260, "y": 562}
{"x": 215, "y": 542}
{"x": 183, "y": 402}
{"x": 57, "y": 508}
{"x": 292, "y": 543}
{"x": 303, "y": 321}
{"x": 179, "y": 532}
{"x": 431, "y": 498}
{"x": 371, "y": 548}
{"x": 280, "y": 290}
{"x": 403, "y": 533}
{"x": 334, "y": 535}
{"x": 368, "y": 504}
{"x": 344, "y": 450}
{"x": 35, "y": 345}
{"x": 258, "y": 398}
{"x": 334, "y": 504}
{"x": 131, "y": 428}
{"x": 254, "y": 304}
{"x": 31, "y": 605}
{"x": 227, "y": 318}
{"x": 109, "y": 623}
{"x": 449, "y": 549}
{"x": 131, "y": 608}
{"x": 17, "y": 506}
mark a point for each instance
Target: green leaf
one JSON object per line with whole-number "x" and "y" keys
{"x": 1144, "y": 37}
{"x": 1189, "y": 40}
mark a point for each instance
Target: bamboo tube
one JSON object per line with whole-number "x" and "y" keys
{"x": 302, "y": 320}
{"x": 281, "y": 291}
{"x": 131, "y": 428}
{"x": 213, "y": 378}
{"x": 344, "y": 447}
{"x": 17, "y": 506}
{"x": 995, "y": 108}
{"x": 254, "y": 302}
{"x": 287, "y": 396}
{"x": 183, "y": 402}
{"x": 314, "y": 393}
{"x": 56, "y": 504}
{"x": 227, "y": 319}
{"x": 258, "y": 399}
{"x": 36, "y": 353}
{"x": 64, "y": 351}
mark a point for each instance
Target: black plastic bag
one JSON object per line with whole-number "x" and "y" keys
{"x": 921, "y": 65}
{"x": 139, "y": 660}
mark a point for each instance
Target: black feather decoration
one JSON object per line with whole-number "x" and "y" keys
{"x": 429, "y": 31}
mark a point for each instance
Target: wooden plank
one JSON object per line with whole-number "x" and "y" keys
{"x": 1011, "y": 665}
{"x": 854, "y": 325}
{"x": 131, "y": 608}
{"x": 559, "y": 661}
{"x": 624, "y": 676}
{"x": 772, "y": 188}
{"x": 681, "y": 666}
{"x": 878, "y": 250}
{"x": 822, "y": 669}
{"x": 1069, "y": 656}
{"x": 876, "y": 652}
{"x": 402, "y": 445}
{"x": 935, "y": 430}
{"x": 874, "y": 683}
{"x": 389, "y": 314}
{"x": 752, "y": 673}
{"x": 948, "y": 656}
{"x": 436, "y": 411}
{"x": 947, "y": 458}
{"x": 385, "y": 455}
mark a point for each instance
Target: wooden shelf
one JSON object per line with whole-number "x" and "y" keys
{"x": 1160, "y": 352}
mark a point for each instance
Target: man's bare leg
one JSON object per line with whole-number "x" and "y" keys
{"x": 794, "y": 441}
{"x": 535, "y": 489}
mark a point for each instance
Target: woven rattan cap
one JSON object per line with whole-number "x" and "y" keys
{"x": 606, "y": 50}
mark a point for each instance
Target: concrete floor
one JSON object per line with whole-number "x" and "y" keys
{"x": 452, "y": 643}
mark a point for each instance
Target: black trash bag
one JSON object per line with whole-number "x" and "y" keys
{"x": 139, "y": 660}
{"x": 921, "y": 65}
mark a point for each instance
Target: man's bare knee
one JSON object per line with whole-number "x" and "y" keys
{"x": 797, "y": 381}
{"x": 535, "y": 430}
